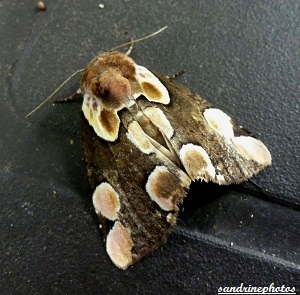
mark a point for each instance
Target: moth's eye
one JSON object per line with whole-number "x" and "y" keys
{"x": 103, "y": 92}
{"x": 129, "y": 71}
{"x": 94, "y": 87}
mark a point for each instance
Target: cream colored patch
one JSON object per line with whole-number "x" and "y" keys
{"x": 109, "y": 122}
{"x": 220, "y": 179}
{"x": 106, "y": 127}
{"x": 247, "y": 146}
{"x": 159, "y": 119}
{"x": 252, "y": 149}
{"x": 164, "y": 188}
{"x": 197, "y": 162}
{"x": 219, "y": 121}
{"x": 106, "y": 201}
{"x": 151, "y": 91}
{"x": 171, "y": 218}
{"x": 119, "y": 245}
{"x": 137, "y": 136}
{"x": 151, "y": 87}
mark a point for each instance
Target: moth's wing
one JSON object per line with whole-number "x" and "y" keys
{"x": 104, "y": 121}
{"x": 209, "y": 144}
{"x": 136, "y": 195}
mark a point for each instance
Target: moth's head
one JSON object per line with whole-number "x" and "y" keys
{"x": 111, "y": 82}
{"x": 108, "y": 78}
{"x": 112, "y": 89}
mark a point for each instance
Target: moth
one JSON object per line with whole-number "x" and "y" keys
{"x": 145, "y": 139}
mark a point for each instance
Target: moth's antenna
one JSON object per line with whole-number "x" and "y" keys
{"x": 130, "y": 48}
{"x": 140, "y": 39}
{"x": 58, "y": 88}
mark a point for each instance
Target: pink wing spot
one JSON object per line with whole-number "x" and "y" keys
{"x": 119, "y": 245}
{"x": 106, "y": 201}
{"x": 164, "y": 188}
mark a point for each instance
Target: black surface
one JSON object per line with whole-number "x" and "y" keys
{"x": 241, "y": 56}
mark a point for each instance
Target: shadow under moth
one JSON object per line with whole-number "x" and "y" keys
{"x": 145, "y": 138}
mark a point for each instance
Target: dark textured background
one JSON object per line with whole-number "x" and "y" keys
{"x": 243, "y": 56}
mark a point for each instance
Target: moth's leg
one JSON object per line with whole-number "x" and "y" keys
{"x": 72, "y": 97}
{"x": 176, "y": 75}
